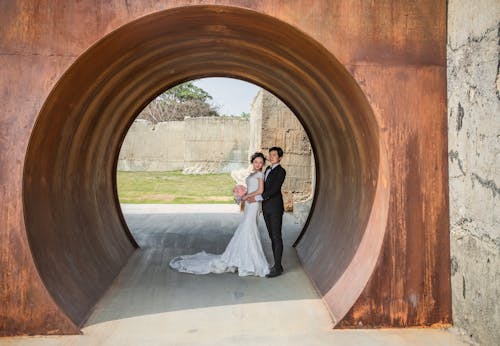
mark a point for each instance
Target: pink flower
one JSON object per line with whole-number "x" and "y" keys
{"x": 238, "y": 192}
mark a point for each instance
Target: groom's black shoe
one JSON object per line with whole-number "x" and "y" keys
{"x": 274, "y": 272}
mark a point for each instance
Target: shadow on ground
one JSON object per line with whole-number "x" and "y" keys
{"x": 149, "y": 304}
{"x": 147, "y": 285}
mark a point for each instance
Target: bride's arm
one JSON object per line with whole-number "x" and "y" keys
{"x": 259, "y": 190}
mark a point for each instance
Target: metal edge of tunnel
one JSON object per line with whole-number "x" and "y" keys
{"x": 214, "y": 10}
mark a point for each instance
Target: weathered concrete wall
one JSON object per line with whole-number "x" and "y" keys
{"x": 474, "y": 119}
{"x": 196, "y": 145}
{"x": 150, "y": 147}
{"x": 256, "y": 124}
{"x": 273, "y": 124}
{"x": 215, "y": 144}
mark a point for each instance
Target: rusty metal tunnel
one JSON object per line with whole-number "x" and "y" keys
{"x": 77, "y": 234}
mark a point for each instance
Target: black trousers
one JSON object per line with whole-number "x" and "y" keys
{"x": 273, "y": 224}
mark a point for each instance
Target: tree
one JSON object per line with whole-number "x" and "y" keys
{"x": 183, "y": 100}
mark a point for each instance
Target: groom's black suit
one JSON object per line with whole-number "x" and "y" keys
{"x": 273, "y": 209}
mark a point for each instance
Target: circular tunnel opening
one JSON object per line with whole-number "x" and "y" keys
{"x": 192, "y": 144}
{"x": 77, "y": 234}
{"x": 177, "y": 167}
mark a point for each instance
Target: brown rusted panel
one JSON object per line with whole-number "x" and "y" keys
{"x": 77, "y": 238}
{"x": 25, "y": 305}
{"x": 416, "y": 248}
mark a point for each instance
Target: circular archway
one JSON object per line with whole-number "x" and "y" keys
{"x": 77, "y": 234}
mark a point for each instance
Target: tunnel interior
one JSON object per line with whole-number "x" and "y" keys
{"x": 77, "y": 233}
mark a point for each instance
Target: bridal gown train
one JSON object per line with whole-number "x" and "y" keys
{"x": 244, "y": 252}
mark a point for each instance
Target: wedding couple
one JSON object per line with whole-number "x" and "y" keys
{"x": 244, "y": 252}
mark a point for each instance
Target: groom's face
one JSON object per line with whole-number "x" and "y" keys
{"x": 273, "y": 157}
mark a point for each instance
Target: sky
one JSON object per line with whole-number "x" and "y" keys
{"x": 233, "y": 96}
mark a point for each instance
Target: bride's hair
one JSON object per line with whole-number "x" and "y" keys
{"x": 256, "y": 155}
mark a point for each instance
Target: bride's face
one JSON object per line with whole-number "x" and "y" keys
{"x": 258, "y": 163}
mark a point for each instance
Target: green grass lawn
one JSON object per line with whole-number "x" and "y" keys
{"x": 174, "y": 188}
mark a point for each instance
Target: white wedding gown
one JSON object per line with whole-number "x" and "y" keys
{"x": 243, "y": 253}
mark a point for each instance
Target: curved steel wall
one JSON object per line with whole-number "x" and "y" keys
{"x": 73, "y": 218}
{"x": 377, "y": 242}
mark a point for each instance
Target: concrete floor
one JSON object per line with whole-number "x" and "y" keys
{"x": 149, "y": 304}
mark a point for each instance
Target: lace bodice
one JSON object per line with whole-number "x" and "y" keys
{"x": 253, "y": 182}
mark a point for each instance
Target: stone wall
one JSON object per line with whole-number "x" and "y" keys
{"x": 474, "y": 169}
{"x": 195, "y": 145}
{"x": 272, "y": 123}
{"x": 149, "y": 147}
{"x": 215, "y": 144}
{"x": 256, "y": 123}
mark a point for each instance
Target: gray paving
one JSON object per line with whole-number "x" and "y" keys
{"x": 150, "y": 304}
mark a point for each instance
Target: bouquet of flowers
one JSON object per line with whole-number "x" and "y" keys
{"x": 238, "y": 192}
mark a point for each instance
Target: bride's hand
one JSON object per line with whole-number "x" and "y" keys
{"x": 244, "y": 198}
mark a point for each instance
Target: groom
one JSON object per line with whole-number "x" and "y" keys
{"x": 272, "y": 206}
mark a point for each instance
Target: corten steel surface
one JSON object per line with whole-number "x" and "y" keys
{"x": 376, "y": 244}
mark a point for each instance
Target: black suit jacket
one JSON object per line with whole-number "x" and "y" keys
{"x": 272, "y": 199}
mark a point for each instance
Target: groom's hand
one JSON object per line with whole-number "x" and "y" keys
{"x": 251, "y": 199}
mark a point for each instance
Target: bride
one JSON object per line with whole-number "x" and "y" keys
{"x": 244, "y": 252}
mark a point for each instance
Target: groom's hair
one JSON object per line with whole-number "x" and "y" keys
{"x": 278, "y": 149}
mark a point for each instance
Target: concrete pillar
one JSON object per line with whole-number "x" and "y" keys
{"x": 474, "y": 163}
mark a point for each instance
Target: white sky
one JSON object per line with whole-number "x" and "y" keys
{"x": 233, "y": 96}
